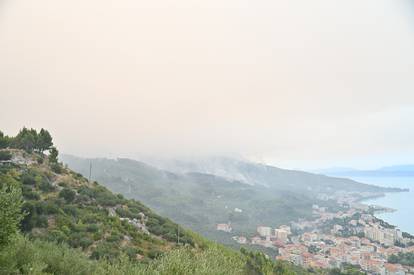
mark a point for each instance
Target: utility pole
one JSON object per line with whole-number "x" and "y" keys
{"x": 178, "y": 234}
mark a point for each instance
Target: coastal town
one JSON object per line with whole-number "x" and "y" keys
{"x": 330, "y": 240}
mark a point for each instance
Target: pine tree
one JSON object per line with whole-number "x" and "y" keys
{"x": 26, "y": 139}
{"x": 44, "y": 140}
{"x": 53, "y": 156}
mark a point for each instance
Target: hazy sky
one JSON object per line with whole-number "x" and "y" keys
{"x": 296, "y": 83}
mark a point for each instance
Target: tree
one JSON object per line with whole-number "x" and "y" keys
{"x": 26, "y": 139}
{"x": 67, "y": 194}
{"x": 10, "y": 208}
{"x": 4, "y": 140}
{"x": 44, "y": 140}
{"x": 53, "y": 155}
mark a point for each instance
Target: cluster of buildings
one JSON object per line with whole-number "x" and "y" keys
{"x": 267, "y": 236}
{"x": 279, "y": 234}
{"x": 385, "y": 236}
{"x": 316, "y": 250}
{"x": 331, "y": 239}
{"x": 360, "y": 240}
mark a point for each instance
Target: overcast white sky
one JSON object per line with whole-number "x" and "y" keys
{"x": 295, "y": 83}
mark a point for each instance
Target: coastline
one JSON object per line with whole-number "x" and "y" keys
{"x": 393, "y": 199}
{"x": 378, "y": 209}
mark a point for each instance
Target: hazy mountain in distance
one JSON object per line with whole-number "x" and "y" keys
{"x": 261, "y": 174}
{"x": 333, "y": 170}
{"x": 398, "y": 168}
{"x": 387, "y": 171}
{"x": 226, "y": 167}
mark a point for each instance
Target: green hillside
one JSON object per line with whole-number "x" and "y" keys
{"x": 65, "y": 207}
{"x": 54, "y": 221}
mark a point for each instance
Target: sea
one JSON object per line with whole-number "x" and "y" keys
{"x": 402, "y": 202}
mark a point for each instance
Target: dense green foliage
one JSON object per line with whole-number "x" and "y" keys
{"x": 53, "y": 156}
{"x": 402, "y": 258}
{"x": 67, "y": 208}
{"x": 10, "y": 205}
{"x": 23, "y": 256}
{"x": 28, "y": 140}
{"x": 4, "y": 140}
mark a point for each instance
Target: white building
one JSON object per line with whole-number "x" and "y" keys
{"x": 264, "y": 231}
{"x": 287, "y": 228}
{"x": 281, "y": 234}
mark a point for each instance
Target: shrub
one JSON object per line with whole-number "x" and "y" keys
{"x": 67, "y": 194}
{"x": 40, "y": 257}
{"x": 29, "y": 194}
{"x": 115, "y": 237}
{"x": 86, "y": 191}
{"x": 5, "y": 155}
{"x": 57, "y": 236}
{"x": 46, "y": 186}
{"x": 125, "y": 213}
{"x": 63, "y": 184}
{"x": 92, "y": 228}
{"x": 154, "y": 253}
{"x": 28, "y": 179}
{"x": 85, "y": 242}
{"x": 105, "y": 251}
{"x": 56, "y": 167}
{"x": 10, "y": 209}
{"x": 4, "y": 140}
{"x": 41, "y": 221}
{"x": 91, "y": 218}
{"x": 70, "y": 210}
{"x": 39, "y": 160}
{"x": 47, "y": 207}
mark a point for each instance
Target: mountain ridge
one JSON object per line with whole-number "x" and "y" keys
{"x": 225, "y": 171}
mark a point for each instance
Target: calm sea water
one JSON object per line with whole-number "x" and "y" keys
{"x": 402, "y": 202}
